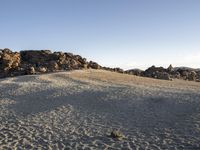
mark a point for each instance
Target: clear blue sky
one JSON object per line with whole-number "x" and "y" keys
{"x": 125, "y": 33}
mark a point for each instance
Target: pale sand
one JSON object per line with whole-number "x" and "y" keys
{"x": 79, "y": 109}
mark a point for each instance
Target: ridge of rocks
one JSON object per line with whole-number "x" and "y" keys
{"x": 44, "y": 61}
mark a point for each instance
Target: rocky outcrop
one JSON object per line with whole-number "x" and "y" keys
{"x": 40, "y": 61}
{"x": 153, "y": 72}
{"x": 43, "y": 61}
{"x": 158, "y": 73}
{"x": 53, "y": 61}
{"x": 170, "y": 73}
{"x": 188, "y": 74}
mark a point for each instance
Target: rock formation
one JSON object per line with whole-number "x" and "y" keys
{"x": 44, "y": 61}
{"x": 170, "y": 73}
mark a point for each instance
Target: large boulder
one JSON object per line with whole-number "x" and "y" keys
{"x": 184, "y": 74}
{"x": 192, "y": 76}
{"x": 94, "y": 65}
{"x": 53, "y": 66}
{"x": 177, "y": 75}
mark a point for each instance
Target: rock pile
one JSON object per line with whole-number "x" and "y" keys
{"x": 43, "y": 61}
{"x": 157, "y": 73}
{"x": 168, "y": 73}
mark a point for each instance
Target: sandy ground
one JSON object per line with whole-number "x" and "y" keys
{"x": 79, "y": 109}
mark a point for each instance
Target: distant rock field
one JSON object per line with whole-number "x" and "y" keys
{"x": 29, "y": 62}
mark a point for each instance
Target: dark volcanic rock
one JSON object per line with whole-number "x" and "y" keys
{"x": 153, "y": 71}
{"x": 136, "y": 72}
{"x": 188, "y": 73}
{"x": 158, "y": 72}
{"x": 53, "y": 61}
{"x": 119, "y": 70}
{"x": 192, "y": 76}
{"x": 177, "y": 75}
{"x": 37, "y": 57}
{"x": 94, "y": 65}
{"x": 163, "y": 76}
{"x": 169, "y": 73}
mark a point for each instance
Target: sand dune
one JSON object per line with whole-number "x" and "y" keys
{"x": 79, "y": 109}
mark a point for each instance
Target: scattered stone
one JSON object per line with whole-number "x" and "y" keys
{"x": 42, "y": 69}
{"x": 30, "y": 70}
{"x": 116, "y": 134}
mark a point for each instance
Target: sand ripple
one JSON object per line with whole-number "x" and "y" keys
{"x": 78, "y": 110}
